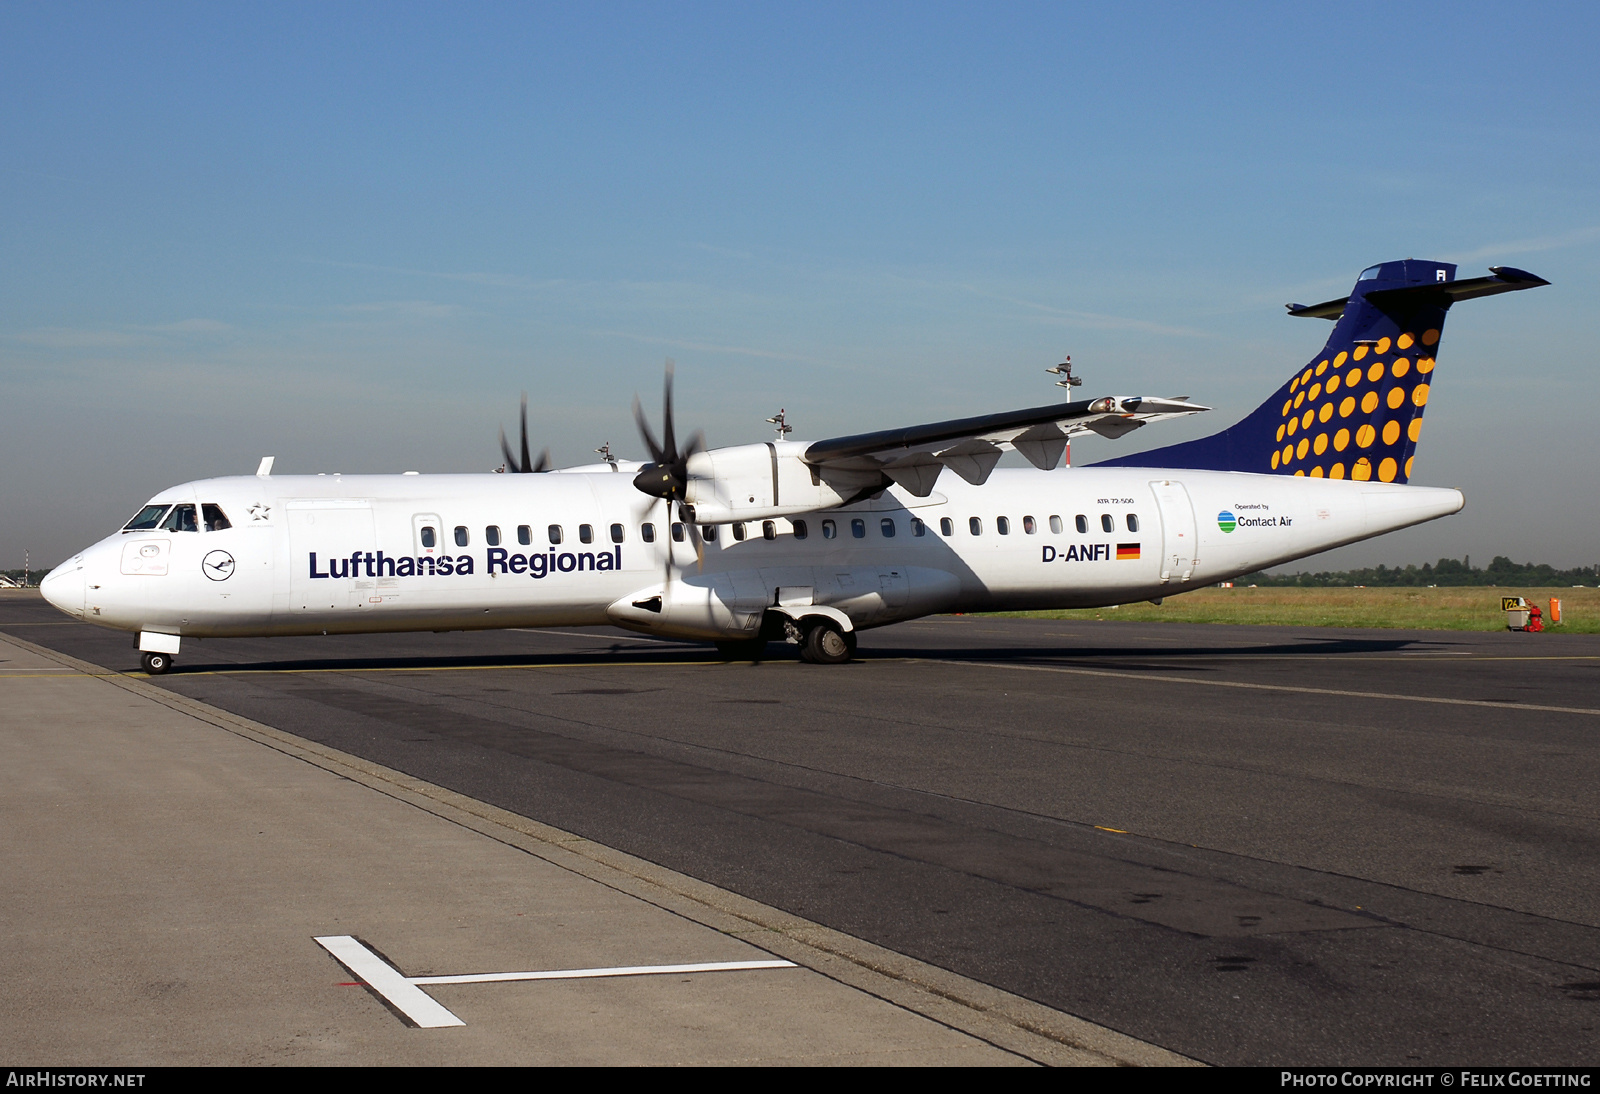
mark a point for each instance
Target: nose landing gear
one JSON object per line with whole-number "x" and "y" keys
{"x": 156, "y": 663}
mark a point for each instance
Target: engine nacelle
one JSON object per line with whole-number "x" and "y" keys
{"x": 704, "y": 606}
{"x": 758, "y": 481}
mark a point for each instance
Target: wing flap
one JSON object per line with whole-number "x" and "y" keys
{"x": 1042, "y": 445}
{"x": 972, "y": 459}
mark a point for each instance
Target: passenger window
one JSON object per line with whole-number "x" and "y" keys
{"x": 829, "y": 530}
{"x": 1133, "y": 523}
{"x": 429, "y": 537}
{"x": 886, "y": 525}
{"x": 554, "y": 532}
{"x": 947, "y": 526}
{"x": 181, "y": 520}
{"x": 1029, "y": 526}
{"x": 1002, "y": 525}
{"x": 918, "y": 528}
{"x": 491, "y": 535}
{"x": 975, "y": 526}
{"x": 708, "y": 532}
{"x": 738, "y": 530}
{"x": 585, "y": 533}
{"x": 1107, "y": 523}
{"x": 769, "y": 529}
{"x": 677, "y": 532}
{"x": 1055, "y": 524}
{"x": 524, "y": 534}
{"x": 147, "y": 518}
{"x": 858, "y": 528}
{"x": 215, "y": 520}
{"x": 647, "y": 532}
{"x": 462, "y": 539}
{"x": 800, "y": 529}
{"x": 1083, "y": 524}
{"x": 616, "y": 533}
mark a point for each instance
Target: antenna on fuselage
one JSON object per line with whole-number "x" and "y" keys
{"x": 605, "y": 454}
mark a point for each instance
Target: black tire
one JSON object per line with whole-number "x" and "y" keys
{"x": 156, "y": 663}
{"x": 826, "y": 644}
{"x": 743, "y": 649}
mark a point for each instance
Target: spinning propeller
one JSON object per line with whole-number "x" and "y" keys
{"x": 525, "y": 466}
{"x": 667, "y": 475}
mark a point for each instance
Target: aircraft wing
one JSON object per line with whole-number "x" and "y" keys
{"x": 914, "y": 456}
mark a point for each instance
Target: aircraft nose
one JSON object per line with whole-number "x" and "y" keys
{"x": 64, "y": 587}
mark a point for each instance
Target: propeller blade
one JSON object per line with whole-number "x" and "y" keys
{"x": 667, "y": 475}
{"x": 694, "y": 538}
{"x": 544, "y": 461}
{"x": 511, "y": 460}
{"x": 526, "y": 465}
{"x": 666, "y": 578}
{"x": 669, "y": 435}
{"x": 657, "y": 453}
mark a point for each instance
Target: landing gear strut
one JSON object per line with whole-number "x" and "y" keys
{"x": 156, "y": 663}
{"x": 826, "y": 644}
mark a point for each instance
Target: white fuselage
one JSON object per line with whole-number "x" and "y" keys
{"x": 343, "y": 554}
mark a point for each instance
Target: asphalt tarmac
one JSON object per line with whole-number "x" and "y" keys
{"x": 1249, "y": 845}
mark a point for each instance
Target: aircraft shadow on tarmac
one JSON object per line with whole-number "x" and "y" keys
{"x": 647, "y": 651}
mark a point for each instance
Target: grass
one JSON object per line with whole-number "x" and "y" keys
{"x": 1460, "y": 608}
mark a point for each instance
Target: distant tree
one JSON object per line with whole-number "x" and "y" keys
{"x": 1447, "y": 571}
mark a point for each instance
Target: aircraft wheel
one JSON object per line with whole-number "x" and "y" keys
{"x": 826, "y": 644}
{"x": 156, "y": 663}
{"x": 743, "y": 649}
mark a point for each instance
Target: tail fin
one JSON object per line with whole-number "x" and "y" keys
{"x": 1355, "y": 410}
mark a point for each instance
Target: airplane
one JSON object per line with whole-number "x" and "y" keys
{"x": 808, "y": 543}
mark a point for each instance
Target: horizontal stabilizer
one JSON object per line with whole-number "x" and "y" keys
{"x": 1441, "y": 294}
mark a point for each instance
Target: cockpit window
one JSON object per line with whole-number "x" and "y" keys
{"x": 148, "y": 518}
{"x": 1370, "y": 273}
{"x": 181, "y": 519}
{"x": 216, "y": 520}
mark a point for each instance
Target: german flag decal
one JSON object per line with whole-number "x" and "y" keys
{"x": 1127, "y": 551}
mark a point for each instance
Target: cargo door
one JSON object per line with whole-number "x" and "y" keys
{"x": 330, "y": 543}
{"x": 1179, "y": 541}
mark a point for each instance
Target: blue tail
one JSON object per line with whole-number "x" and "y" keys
{"x": 1355, "y": 410}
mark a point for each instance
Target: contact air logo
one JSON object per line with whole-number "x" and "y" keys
{"x": 1226, "y": 522}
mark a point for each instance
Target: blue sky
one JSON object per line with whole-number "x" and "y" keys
{"x": 350, "y": 235}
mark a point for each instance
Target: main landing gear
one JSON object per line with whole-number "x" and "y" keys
{"x": 821, "y": 642}
{"x": 156, "y": 663}
{"x": 826, "y": 644}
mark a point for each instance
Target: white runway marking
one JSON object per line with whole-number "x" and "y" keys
{"x": 404, "y": 994}
{"x": 621, "y": 970}
{"x": 386, "y": 980}
{"x": 1495, "y": 704}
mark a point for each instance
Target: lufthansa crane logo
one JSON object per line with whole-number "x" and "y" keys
{"x": 218, "y": 565}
